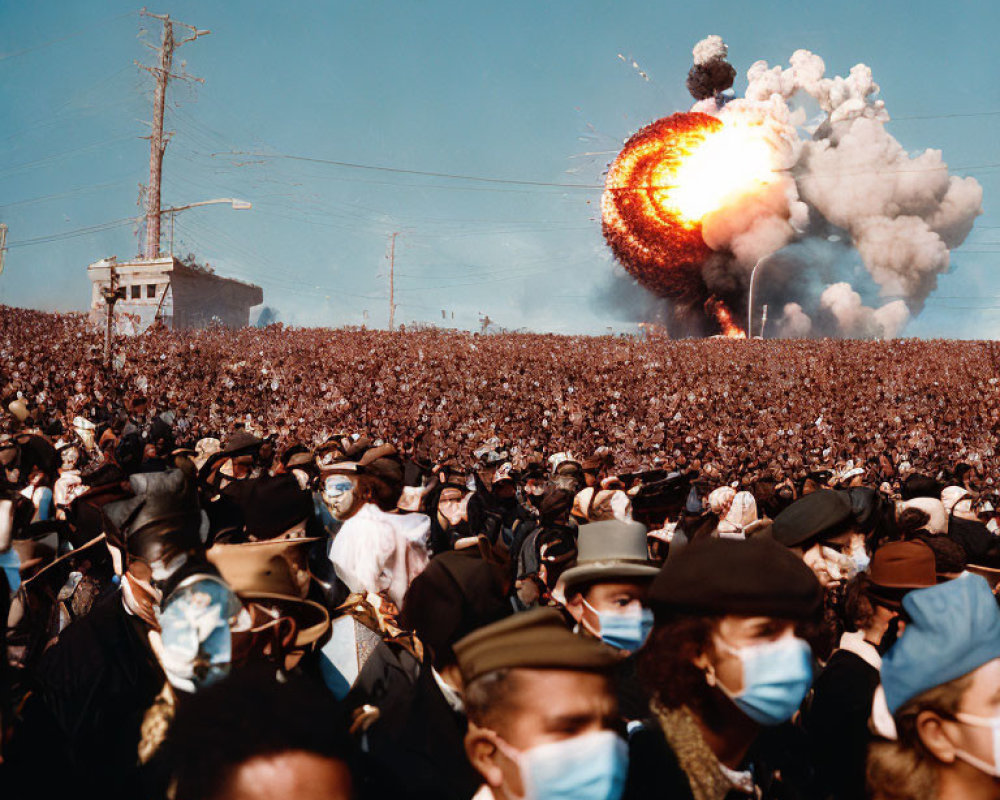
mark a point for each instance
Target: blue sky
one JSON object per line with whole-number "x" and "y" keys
{"x": 519, "y": 90}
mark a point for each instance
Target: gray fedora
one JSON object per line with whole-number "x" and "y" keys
{"x": 608, "y": 550}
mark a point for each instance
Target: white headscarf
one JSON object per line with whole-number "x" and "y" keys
{"x": 720, "y": 499}
{"x": 938, "y": 522}
{"x": 742, "y": 512}
{"x": 379, "y": 552}
{"x": 957, "y": 501}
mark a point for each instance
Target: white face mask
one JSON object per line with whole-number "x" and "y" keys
{"x": 982, "y": 722}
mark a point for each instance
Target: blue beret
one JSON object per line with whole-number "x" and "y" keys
{"x": 954, "y": 628}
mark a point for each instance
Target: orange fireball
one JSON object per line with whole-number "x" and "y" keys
{"x": 667, "y": 179}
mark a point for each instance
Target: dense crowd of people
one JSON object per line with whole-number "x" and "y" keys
{"x": 358, "y": 564}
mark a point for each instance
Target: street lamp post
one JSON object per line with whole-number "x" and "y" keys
{"x": 238, "y": 205}
{"x": 753, "y": 279}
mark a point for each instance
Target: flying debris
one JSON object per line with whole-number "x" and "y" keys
{"x": 635, "y": 65}
{"x": 694, "y": 200}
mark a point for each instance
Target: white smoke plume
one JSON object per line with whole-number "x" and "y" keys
{"x": 711, "y": 48}
{"x": 794, "y": 323}
{"x": 844, "y": 173}
{"x": 858, "y": 320}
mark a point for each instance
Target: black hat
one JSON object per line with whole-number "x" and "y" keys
{"x": 163, "y": 516}
{"x": 917, "y": 485}
{"x": 866, "y": 504}
{"x": 457, "y": 593}
{"x": 818, "y": 515}
{"x": 241, "y": 443}
{"x": 271, "y": 505}
{"x": 757, "y": 576}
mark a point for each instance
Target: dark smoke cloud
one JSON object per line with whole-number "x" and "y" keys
{"x": 711, "y": 73}
{"x": 707, "y": 80}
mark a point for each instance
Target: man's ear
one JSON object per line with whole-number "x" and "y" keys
{"x": 482, "y": 752}
{"x": 932, "y": 731}
{"x": 574, "y": 605}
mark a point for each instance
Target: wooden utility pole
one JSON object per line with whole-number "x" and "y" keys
{"x": 392, "y": 279}
{"x": 112, "y": 293}
{"x": 3, "y": 244}
{"x": 157, "y": 140}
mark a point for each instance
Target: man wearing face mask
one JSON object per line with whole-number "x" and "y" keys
{"x": 95, "y": 685}
{"x": 821, "y": 529}
{"x": 605, "y": 593}
{"x": 836, "y": 719}
{"x": 541, "y": 711}
{"x": 941, "y": 684}
{"x": 725, "y": 670}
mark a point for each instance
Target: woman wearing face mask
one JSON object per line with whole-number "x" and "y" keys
{"x": 941, "y": 683}
{"x": 725, "y": 670}
{"x": 837, "y": 716}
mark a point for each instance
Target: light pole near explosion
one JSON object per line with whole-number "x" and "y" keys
{"x": 753, "y": 279}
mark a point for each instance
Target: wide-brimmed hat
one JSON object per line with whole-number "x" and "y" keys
{"x": 899, "y": 567}
{"x": 274, "y": 574}
{"x": 610, "y": 550}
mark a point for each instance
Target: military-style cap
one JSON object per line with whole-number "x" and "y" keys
{"x": 714, "y": 577}
{"x": 825, "y": 512}
{"x": 537, "y": 639}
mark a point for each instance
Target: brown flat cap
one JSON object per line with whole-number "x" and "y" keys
{"x": 537, "y": 639}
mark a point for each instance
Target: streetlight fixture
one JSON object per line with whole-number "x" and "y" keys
{"x": 238, "y": 205}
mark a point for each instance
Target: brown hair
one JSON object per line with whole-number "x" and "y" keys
{"x": 905, "y": 769}
{"x": 372, "y": 489}
{"x": 666, "y": 663}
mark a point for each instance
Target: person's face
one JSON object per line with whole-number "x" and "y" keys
{"x": 605, "y": 598}
{"x": 452, "y": 508}
{"x": 825, "y": 559}
{"x": 338, "y": 494}
{"x": 544, "y": 706}
{"x": 734, "y": 632}
{"x": 945, "y": 736}
{"x": 293, "y": 773}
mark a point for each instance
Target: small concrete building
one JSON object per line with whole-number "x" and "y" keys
{"x": 182, "y": 295}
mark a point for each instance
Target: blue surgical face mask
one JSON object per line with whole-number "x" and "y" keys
{"x": 624, "y": 630}
{"x": 592, "y": 766}
{"x": 776, "y": 678}
{"x": 195, "y": 632}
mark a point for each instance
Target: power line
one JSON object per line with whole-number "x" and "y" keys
{"x": 403, "y": 171}
{"x": 73, "y": 35}
{"x": 947, "y": 116}
{"x": 104, "y": 226}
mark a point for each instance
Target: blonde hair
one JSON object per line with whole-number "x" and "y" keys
{"x": 905, "y": 769}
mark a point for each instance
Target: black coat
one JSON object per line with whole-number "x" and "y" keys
{"x": 81, "y": 725}
{"x": 836, "y": 721}
{"x": 415, "y": 750}
{"x": 778, "y": 761}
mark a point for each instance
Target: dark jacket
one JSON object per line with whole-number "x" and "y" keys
{"x": 778, "y": 761}
{"x": 836, "y": 721}
{"x": 81, "y": 726}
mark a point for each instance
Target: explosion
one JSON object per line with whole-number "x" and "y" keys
{"x": 666, "y": 180}
{"x": 694, "y": 200}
